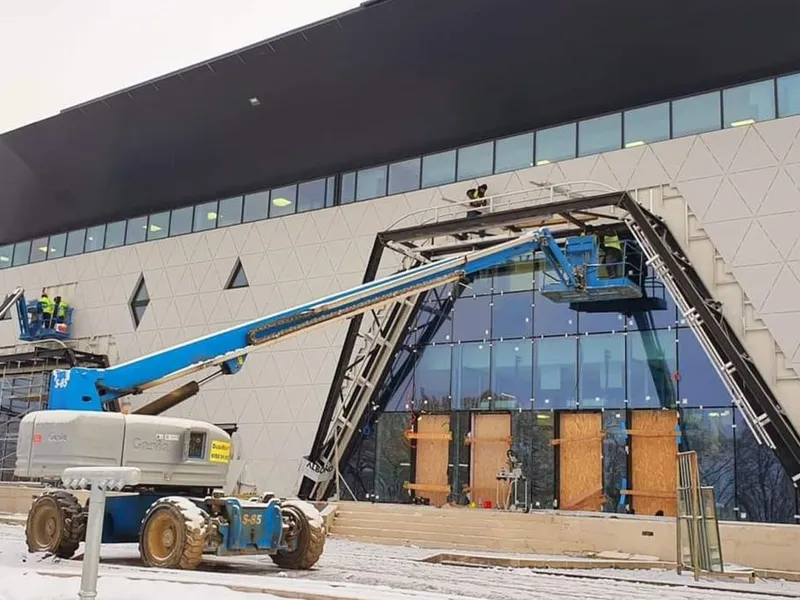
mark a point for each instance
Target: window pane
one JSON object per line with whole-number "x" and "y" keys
{"x": 789, "y": 95}
{"x": 39, "y": 248}
{"x": 136, "y": 231}
{"x": 205, "y": 216}
{"x": 697, "y": 114}
{"x": 550, "y": 318}
{"x": 76, "y": 240}
{"x": 475, "y": 161}
{"x": 330, "y": 192}
{"x": 532, "y": 433}
{"x": 555, "y": 373}
{"x": 555, "y": 143}
{"x": 433, "y": 325}
{"x": 22, "y": 251}
{"x": 311, "y": 195}
{"x": 432, "y": 379}
{"x": 404, "y": 176}
{"x": 439, "y": 169}
{"x": 6, "y": 256}
{"x": 471, "y": 385}
{"x": 95, "y": 237}
{"x": 647, "y": 124}
{"x": 180, "y": 222}
{"x": 230, "y": 212}
{"x": 658, "y": 318}
{"x": 256, "y": 206}
{"x": 392, "y": 458}
{"x": 747, "y": 104}
{"x": 602, "y": 371}
{"x": 512, "y": 375}
{"x": 615, "y": 458}
{"x": 512, "y": 315}
{"x": 710, "y": 434}
{"x": 158, "y": 226}
{"x": 472, "y": 319}
{"x": 699, "y": 383}
{"x": 652, "y": 365}
{"x": 348, "y": 188}
{"x": 115, "y": 234}
{"x": 283, "y": 201}
{"x": 371, "y": 183}
{"x": 57, "y": 245}
{"x": 600, "y": 322}
{"x": 515, "y": 275}
{"x": 513, "y": 153}
{"x": 601, "y": 134}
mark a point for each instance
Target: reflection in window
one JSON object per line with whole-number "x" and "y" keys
{"x": 115, "y": 234}
{"x": 57, "y": 246}
{"x": 180, "y": 221}
{"x": 652, "y": 366}
{"x": 747, "y": 104}
{"x": 512, "y": 315}
{"x": 359, "y": 471}
{"x": 555, "y": 373}
{"x": 432, "y": 379}
{"x": 392, "y": 458}
{"x": 764, "y": 492}
{"x": 472, "y": 318}
{"x": 139, "y": 302}
{"x": 95, "y": 237}
{"x": 699, "y": 383}
{"x": 136, "y": 231}
{"x": 600, "y": 134}
{"x": 76, "y": 240}
{"x": 512, "y": 375}
{"x": 646, "y": 125}
{"x": 205, "y": 216}
{"x": 710, "y": 433}
{"x": 348, "y": 188}
{"x": 158, "y": 226}
{"x": 532, "y": 433}
{"x": 405, "y": 176}
{"x": 697, "y": 114}
{"x": 789, "y": 95}
{"x": 434, "y": 323}
{"x": 615, "y": 458}
{"x": 330, "y": 191}
{"x": 282, "y": 201}
{"x": 600, "y": 322}
{"x": 22, "y": 252}
{"x": 311, "y": 195}
{"x": 371, "y": 183}
{"x": 6, "y": 255}
{"x": 230, "y": 212}
{"x": 256, "y": 207}
{"x": 475, "y": 161}
{"x": 513, "y": 153}
{"x": 402, "y": 396}
{"x": 471, "y": 380}
{"x": 515, "y": 275}
{"x": 39, "y": 250}
{"x": 460, "y": 453}
{"x": 439, "y": 169}
{"x": 555, "y": 143}
{"x": 602, "y": 371}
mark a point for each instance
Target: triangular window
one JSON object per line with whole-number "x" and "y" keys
{"x": 238, "y": 278}
{"x": 139, "y": 301}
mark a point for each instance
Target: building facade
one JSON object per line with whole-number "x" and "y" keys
{"x": 723, "y": 169}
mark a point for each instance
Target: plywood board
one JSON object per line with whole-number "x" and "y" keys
{"x": 654, "y": 453}
{"x": 581, "y": 461}
{"x": 490, "y": 441}
{"x": 433, "y": 454}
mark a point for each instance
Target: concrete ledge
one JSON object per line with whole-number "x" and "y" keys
{"x": 544, "y": 563}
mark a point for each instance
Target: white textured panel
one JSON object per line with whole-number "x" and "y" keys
{"x": 779, "y": 134}
{"x": 724, "y": 145}
{"x": 624, "y": 162}
{"x": 699, "y": 162}
{"x": 602, "y": 173}
{"x": 727, "y": 204}
{"x": 793, "y": 155}
{"x": 672, "y": 154}
{"x": 757, "y": 281}
{"x": 753, "y": 153}
{"x": 783, "y": 297}
{"x": 699, "y": 193}
{"x": 782, "y": 231}
{"x": 756, "y": 248}
{"x": 785, "y": 328}
{"x": 783, "y": 196}
{"x": 727, "y": 236}
{"x": 753, "y": 185}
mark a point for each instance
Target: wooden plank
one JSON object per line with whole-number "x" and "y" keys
{"x": 436, "y": 436}
{"x": 433, "y": 456}
{"x": 643, "y": 433}
{"x": 488, "y": 457}
{"x": 426, "y": 487}
{"x": 649, "y": 494}
{"x": 654, "y": 461}
{"x": 588, "y": 438}
{"x": 489, "y": 440}
{"x": 581, "y": 461}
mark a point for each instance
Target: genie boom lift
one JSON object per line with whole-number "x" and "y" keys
{"x": 177, "y": 513}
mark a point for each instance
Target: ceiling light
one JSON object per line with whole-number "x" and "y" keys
{"x": 4, "y": 259}
{"x": 542, "y": 162}
{"x": 42, "y": 248}
{"x": 281, "y": 202}
{"x": 634, "y": 144}
{"x": 743, "y": 122}
{"x": 254, "y": 101}
{"x": 154, "y": 228}
{"x": 211, "y": 215}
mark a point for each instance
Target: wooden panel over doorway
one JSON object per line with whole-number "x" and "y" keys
{"x": 490, "y": 440}
{"x": 581, "y": 461}
{"x": 654, "y": 453}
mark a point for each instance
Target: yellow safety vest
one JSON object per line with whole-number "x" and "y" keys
{"x": 62, "y": 309}
{"x": 612, "y": 241}
{"x": 47, "y": 305}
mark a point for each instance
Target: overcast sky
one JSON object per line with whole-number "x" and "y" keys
{"x": 58, "y": 53}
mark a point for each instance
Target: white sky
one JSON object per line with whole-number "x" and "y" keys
{"x": 58, "y": 53}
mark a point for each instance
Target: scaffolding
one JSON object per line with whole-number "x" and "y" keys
{"x": 24, "y": 388}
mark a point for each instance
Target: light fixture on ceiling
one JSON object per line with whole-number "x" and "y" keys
{"x": 154, "y": 228}
{"x": 281, "y": 202}
{"x": 4, "y": 259}
{"x": 42, "y": 248}
{"x": 634, "y": 144}
{"x": 254, "y": 101}
{"x": 743, "y": 122}
{"x": 211, "y": 215}
{"x": 544, "y": 161}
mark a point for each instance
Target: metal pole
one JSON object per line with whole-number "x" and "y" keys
{"x": 94, "y": 535}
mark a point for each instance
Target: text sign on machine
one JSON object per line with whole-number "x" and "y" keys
{"x": 220, "y": 452}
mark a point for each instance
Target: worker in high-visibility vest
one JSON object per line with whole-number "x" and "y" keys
{"x": 47, "y": 306}
{"x": 612, "y": 257}
{"x": 61, "y": 307}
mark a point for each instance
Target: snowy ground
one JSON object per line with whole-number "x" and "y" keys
{"x": 348, "y": 570}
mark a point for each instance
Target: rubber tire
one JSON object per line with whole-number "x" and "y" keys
{"x": 310, "y": 544}
{"x": 71, "y": 529}
{"x": 190, "y": 542}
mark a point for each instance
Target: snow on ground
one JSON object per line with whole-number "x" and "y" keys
{"x": 351, "y": 570}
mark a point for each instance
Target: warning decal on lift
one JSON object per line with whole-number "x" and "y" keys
{"x": 220, "y": 452}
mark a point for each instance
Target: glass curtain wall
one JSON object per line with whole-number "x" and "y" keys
{"x": 506, "y": 348}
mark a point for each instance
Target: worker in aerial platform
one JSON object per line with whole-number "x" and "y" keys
{"x": 61, "y": 307}
{"x": 612, "y": 255}
{"x": 47, "y": 306}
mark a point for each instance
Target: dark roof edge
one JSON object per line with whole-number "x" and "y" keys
{"x": 297, "y": 30}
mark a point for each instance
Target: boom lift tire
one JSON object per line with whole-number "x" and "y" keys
{"x": 173, "y": 534}
{"x": 306, "y": 539}
{"x": 56, "y": 523}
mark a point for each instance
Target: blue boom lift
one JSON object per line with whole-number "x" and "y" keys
{"x": 30, "y": 316}
{"x": 165, "y": 513}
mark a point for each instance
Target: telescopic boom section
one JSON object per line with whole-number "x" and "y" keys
{"x": 94, "y": 389}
